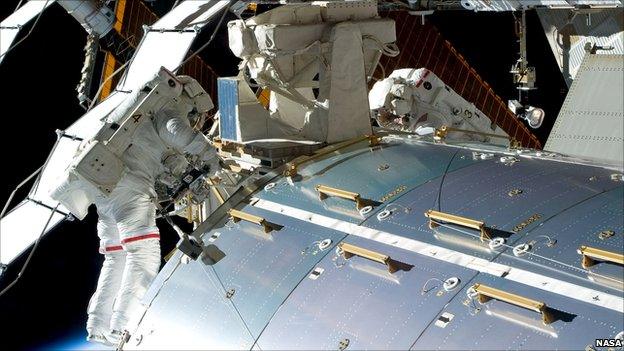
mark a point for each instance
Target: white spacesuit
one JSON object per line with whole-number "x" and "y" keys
{"x": 127, "y": 224}
{"x": 129, "y": 238}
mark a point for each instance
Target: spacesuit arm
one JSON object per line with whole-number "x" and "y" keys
{"x": 177, "y": 133}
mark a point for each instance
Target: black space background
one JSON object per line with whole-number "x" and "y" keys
{"x": 37, "y": 96}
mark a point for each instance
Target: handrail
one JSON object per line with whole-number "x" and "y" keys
{"x": 293, "y": 166}
{"x": 325, "y": 191}
{"x": 442, "y": 132}
{"x": 485, "y": 293}
{"x": 458, "y": 220}
{"x": 349, "y": 250}
{"x": 591, "y": 254}
{"x": 237, "y": 216}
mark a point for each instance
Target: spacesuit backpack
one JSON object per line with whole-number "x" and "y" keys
{"x": 98, "y": 166}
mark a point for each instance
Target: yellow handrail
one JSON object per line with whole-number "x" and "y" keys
{"x": 485, "y": 293}
{"x": 462, "y": 221}
{"x": 591, "y": 254}
{"x": 293, "y": 166}
{"x": 237, "y": 216}
{"x": 349, "y": 250}
{"x": 325, "y": 191}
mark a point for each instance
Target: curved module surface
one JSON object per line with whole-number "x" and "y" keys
{"x": 330, "y": 276}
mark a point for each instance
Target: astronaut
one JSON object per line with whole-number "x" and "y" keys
{"x": 129, "y": 238}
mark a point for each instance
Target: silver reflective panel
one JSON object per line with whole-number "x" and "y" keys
{"x": 378, "y": 174}
{"x": 591, "y": 119}
{"x": 326, "y": 276}
{"x": 166, "y": 42}
{"x": 10, "y": 26}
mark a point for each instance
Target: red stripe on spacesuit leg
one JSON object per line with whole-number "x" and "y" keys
{"x": 141, "y": 237}
{"x": 106, "y": 249}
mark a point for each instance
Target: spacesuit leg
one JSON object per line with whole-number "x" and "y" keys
{"x": 100, "y": 307}
{"x": 140, "y": 238}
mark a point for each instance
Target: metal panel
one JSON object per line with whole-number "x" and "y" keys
{"x": 468, "y": 260}
{"x": 591, "y": 121}
{"x": 190, "y": 13}
{"x": 497, "y": 325}
{"x": 357, "y": 301}
{"x": 578, "y": 226}
{"x": 515, "y": 5}
{"x": 482, "y": 192}
{"x": 259, "y": 271}
{"x": 286, "y": 296}
{"x": 22, "y": 226}
{"x": 379, "y": 174}
{"x": 157, "y": 49}
{"x": 263, "y": 269}
{"x": 191, "y": 311}
{"x": 10, "y": 26}
{"x": 65, "y": 150}
{"x": 167, "y": 45}
{"x": 227, "y": 89}
{"x": 568, "y": 34}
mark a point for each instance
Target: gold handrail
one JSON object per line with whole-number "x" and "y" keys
{"x": 485, "y": 293}
{"x": 215, "y": 191}
{"x": 293, "y": 166}
{"x": 349, "y": 250}
{"x": 237, "y": 216}
{"x": 442, "y": 132}
{"x": 462, "y": 221}
{"x": 591, "y": 254}
{"x": 325, "y": 191}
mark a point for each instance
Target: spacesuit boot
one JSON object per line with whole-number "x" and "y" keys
{"x": 105, "y": 337}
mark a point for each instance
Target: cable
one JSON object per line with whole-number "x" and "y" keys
{"x": 390, "y": 49}
{"x": 530, "y": 253}
{"x": 8, "y": 202}
{"x": 29, "y": 32}
{"x": 383, "y": 71}
{"x": 439, "y": 198}
{"x": 214, "y": 33}
{"x": 38, "y": 173}
{"x": 424, "y": 289}
{"x": 95, "y": 97}
{"x": 19, "y": 4}
{"x": 6, "y": 205}
{"x": 32, "y": 252}
{"x": 240, "y": 316}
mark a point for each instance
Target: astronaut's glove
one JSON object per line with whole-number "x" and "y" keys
{"x": 198, "y": 145}
{"x": 210, "y": 159}
{"x": 175, "y": 163}
{"x": 424, "y": 130}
